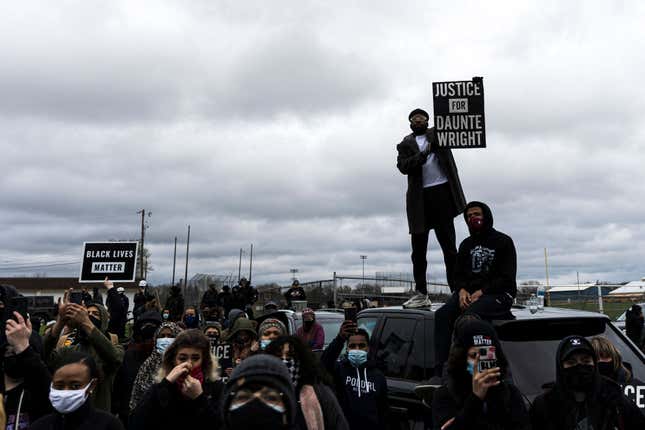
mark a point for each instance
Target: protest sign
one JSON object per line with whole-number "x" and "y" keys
{"x": 224, "y": 354}
{"x": 116, "y": 260}
{"x": 459, "y": 113}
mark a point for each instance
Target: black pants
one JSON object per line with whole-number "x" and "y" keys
{"x": 439, "y": 214}
{"x": 488, "y": 307}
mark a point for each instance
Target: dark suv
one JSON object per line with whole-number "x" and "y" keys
{"x": 402, "y": 342}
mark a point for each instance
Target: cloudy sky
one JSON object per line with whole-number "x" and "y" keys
{"x": 275, "y": 123}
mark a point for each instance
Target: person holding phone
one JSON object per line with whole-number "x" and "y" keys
{"x": 361, "y": 388}
{"x": 476, "y": 394}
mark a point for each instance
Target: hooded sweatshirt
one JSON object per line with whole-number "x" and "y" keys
{"x": 361, "y": 391}
{"x": 486, "y": 259}
{"x": 107, "y": 355}
{"x": 603, "y": 407}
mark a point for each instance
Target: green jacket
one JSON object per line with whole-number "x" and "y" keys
{"x": 107, "y": 355}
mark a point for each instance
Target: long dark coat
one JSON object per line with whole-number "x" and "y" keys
{"x": 410, "y": 162}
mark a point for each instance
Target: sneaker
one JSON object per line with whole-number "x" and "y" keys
{"x": 418, "y": 301}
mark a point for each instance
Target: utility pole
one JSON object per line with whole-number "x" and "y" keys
{"x": 251, "y": 265}
{"x": 546, "y": 268}
{"x": 174, "y": 262}
{"x": 363, "y": 258}
{"x": 143, "y": 234}
{"x": 187, "y": 249}
{"x": 239, "y": 267}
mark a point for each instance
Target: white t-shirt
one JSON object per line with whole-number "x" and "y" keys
{"x": 432, "y": 173}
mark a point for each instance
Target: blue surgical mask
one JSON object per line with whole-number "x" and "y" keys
{"x": 264, "y": 343}
{"x": 357, "y": 357}
{"x": 470, "y": 367}
{"x": 163, "y": 343}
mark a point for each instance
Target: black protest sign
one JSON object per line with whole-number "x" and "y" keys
{"x": 224, "y": 354}
{"x": 459, "y": 114}
{"x": 116, "y": 260}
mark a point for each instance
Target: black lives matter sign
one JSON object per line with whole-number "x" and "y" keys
{"x": 459, "y": 114}
{"x": 116, "y": 260}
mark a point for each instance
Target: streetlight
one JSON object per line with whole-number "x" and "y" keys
{"x": 363, "y": 258}
{"x": 293, "y": 274}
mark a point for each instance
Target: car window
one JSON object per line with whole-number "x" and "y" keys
{"x": 622, "y": 316}
{"x": 331, "y": 327}
{"x": 394, "y": 347}
{"x": 531, "y": 355}
{"x": 368, "y": 324}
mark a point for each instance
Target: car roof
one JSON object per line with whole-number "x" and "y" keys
{"x": 520, "y": 312}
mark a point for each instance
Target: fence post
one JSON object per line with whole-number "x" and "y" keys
{"x": 600, "y": 307}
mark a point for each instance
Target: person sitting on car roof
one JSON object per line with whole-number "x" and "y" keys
{"x": 581, "y": 398}
{"x": 361, "y": 387}
{"x": 296, "y": 292}
{"x": 311, "y": 332}
{"x": 484, "y": 279}
{"x": 477, "y": 395}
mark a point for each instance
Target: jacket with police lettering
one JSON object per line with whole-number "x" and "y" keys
{"x": 361, "y": 392}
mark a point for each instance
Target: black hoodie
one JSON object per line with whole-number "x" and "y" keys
{"x": 605, "y": 405}
{"x": 361, "y": 392}
{"x": 486, "y": 259}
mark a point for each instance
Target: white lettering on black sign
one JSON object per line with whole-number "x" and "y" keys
{"x": 459, "y": 114}
{"x": 116, "y": 260}
{"x": 108, "y": 267}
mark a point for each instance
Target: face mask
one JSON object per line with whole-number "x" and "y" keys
{"x": 11, "y": 367}
{"x": 66, "y": 401}
{"x": 197, "y": 373}
{"x": 579, "y": 377}
{"x": 190, "y": 321}
{"x": 476, "y": 223}
{"x": 163, "y": 343}
{"x": 264, "y": 343}
{"x": 470, "y": 367}
{"x": 256, "y": 415}
{"x": 96, "y": 322}
{"x": 294, "y": 370}
{"x": 213, "y": 339}
{"x": 166, "y": 316}
{"x": 308, "y": 324}
{"x": 419, "y": 129}
{"x": 357, "y": 357}
{"x": 606, "y": 368}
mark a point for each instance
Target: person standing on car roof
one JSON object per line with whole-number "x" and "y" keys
{"x": 484, "y": 278}
{"x": 477, "y": 399}
{"x": 581, "y": 398}
{"x": 311, "y": 332}
{"x": 361, "y": 388}
{"x": 433, "y": 199}
{"x": 296, "y": 292}
{"x": 634, "y": 322}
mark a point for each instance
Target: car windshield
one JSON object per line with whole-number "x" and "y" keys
{"x": 530, "y": 348}
{"x": 331, "y": 328}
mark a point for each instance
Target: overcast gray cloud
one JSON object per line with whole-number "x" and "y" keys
{"x": 276, "y": 125}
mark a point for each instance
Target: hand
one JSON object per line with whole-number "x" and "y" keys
{"x": 77, "y": 316}
{"x": 18, "y": 333}
{"x": 475, "y": 296}
{"x": 447, "y": 423}
{"x": 191, "y": 388}
{"x": 108, "y": 284}
{"x": 255, "y": 345}
{"x": 464, "y": 299}
{"x": 179, "y": 371}
{"x": 347, "y": 329}
{"x": 484, "y": 380}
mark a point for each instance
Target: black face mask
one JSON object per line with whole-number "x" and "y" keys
{"x": 606, "y": 369}
{"x": 256, "y": 415}
{"x": 96, "y": 322}
{"x": 213, "y": 339}
{"x": 419, "y": 129}
{"x": 579, "y": 377}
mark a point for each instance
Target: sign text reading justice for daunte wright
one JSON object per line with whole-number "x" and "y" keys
{"x": 459, "y": 114}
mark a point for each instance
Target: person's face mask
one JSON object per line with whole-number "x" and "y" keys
{"x": 11, "y": 366}
{"x": 163, "y": 343}
{"x": 264, "y": 343}
{"x": 190, "y": 320}
{"x": 96, "y": 322}
{"x": 213, "y": 339}
{"x": 476, "y": 223}
{"x": 470, "y": 367}
{"x": 419, "y": 129}
{"x": 357, "y": 357}
{"x": 606, "y": 368}
{"x": 256, "y": 415}
{"x": 166, "y": 316}
{"x": 579, "y": 377}
{"x": 67, "y": 401}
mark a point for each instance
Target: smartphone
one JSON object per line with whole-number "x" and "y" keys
{"x": 76, "y": 297}
{"x": 487, "y": 358}
{"x": 350, "y": 314}
{"x": 20, "y": 305}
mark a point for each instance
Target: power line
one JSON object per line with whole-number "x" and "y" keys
{"x": 37, "y": 266}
